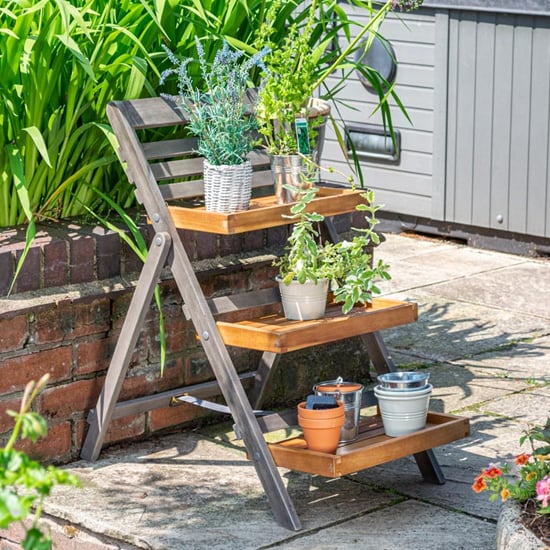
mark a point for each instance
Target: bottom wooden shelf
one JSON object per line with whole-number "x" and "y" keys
{"x": 371, "y": 448}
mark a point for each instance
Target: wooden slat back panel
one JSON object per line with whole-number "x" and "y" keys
{"x": 173, "y": 161}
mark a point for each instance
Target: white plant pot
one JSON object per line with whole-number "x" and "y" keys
{"x": 403, "y": 412}
{"x": 303, "y": 302}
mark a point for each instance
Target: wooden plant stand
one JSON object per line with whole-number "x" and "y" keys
{"x": 167, "y": 178}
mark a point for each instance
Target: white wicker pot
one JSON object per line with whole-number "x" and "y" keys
{"x": 227, "y": 187}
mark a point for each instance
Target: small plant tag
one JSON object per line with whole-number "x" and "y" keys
{"x": 302, "y": 136}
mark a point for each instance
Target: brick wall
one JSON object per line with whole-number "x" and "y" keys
{"x": 67, "y": 310}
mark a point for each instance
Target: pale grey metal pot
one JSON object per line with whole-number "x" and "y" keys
{"x": 303, "y": 302}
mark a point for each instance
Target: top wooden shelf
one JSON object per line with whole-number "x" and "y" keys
{"x": 263, "y": 212}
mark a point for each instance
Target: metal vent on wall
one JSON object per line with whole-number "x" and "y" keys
{"x": 373, "y": 142}
{"x": 379, "y": 64}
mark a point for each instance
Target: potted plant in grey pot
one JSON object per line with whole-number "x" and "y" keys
{"x": 219, "y": 114}
{"x": 310, "y": 267}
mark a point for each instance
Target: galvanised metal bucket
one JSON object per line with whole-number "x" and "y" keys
{"x": 350, "y": 393}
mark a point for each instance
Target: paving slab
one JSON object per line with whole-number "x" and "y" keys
{"x": 523, "y": 289}
{"x": 413, "y": 525}
{"x": 186, "y": 492}
{"x": 448, "y": 330}
{"x": 431, "y": 264}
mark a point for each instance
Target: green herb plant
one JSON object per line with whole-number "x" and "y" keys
{"x": 347, "y": 264}
{"x": 320, "y": 42}
{"x": 24, "y": 483}
{"x": 217, "y": 107}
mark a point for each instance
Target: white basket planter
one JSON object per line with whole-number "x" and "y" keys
{"x": 227, "y": 187}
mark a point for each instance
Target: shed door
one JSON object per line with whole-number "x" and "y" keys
{"x": 498, "y": 119}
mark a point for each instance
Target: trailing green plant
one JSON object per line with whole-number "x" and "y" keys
{"x": 347, "y": 264}
{"x": 217, "y": 107}
{"x": 24, "y": 483}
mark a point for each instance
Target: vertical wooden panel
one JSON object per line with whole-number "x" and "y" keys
{"x": 483, "y": 122}
{"x": 501, "y": 107}
{"x": 538, "y": 199}
{"x": 522, "y": 79}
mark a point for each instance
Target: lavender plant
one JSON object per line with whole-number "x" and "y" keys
{"x": 217, "y": 107}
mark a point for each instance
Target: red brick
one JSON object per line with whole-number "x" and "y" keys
{"x": 55, "y": 447}
{"x": 17, "y": 371}
{"x": 230, "y": 244}
{"x": 7, "y": 269}
{"x": 167, "y": 417}
{"x": 70, "y": 320}
{"x": 51, "y": 325}
{"x": 254, "y": 240}
{"x": 75, "y": 399}
{"x": 125, "y": 428}
{"x": 152, "y": 381}
{"x": 277, "y": 235}
{"x": 6, "y": 421}
{"x": 56, "y": 264}
{"x": 29, "y": 276}
{"x": 93, "y": 355}
{"x": 91, "y": 317}
{"x": 207, "y": 246}
{"x": 82, "y": 250}
{"x": 14, "y": 333}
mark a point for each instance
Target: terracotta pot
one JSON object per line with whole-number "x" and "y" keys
{"x": 321, "y": 427}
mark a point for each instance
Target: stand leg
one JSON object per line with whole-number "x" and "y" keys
{"x": 429, "y": 467}
{"x": 232, "y": 389}
{"x": 101, "y": 416}
{"x": 378, "y": 353}
{"x": 266, "y": 370}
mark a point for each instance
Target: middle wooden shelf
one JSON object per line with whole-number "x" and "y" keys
{"x": 277, "y": 334}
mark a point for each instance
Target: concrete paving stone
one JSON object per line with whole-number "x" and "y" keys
{"x": 490, "y": 441}
{"x": 410, "y": 524}
{"x": 447, "y": 331}
{"x": 529, "y": 406}
{"x": 456, "y": 387}
{"x": 430, "y": 265}
{"x": 186, "y": 492}
{"x": 525, "y": 360}
{"x": 522, "y": 289}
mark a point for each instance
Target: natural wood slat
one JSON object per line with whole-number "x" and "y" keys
{"x": 263, "y": 212}
{"x": 371, "y": 448}
{"x": 277, "y": 334}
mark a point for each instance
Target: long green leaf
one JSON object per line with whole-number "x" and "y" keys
{"x": 23, "y": 194}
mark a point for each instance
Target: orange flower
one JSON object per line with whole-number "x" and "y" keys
{"x": 504, "y": 494}
{"x": 530, "y": 476}
{"x": 479, "y": 484}
{"x": 522, "y": 459}
{"x": 492, "y": 471}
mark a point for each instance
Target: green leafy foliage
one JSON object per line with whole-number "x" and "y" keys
{"x": 216, "y": 106}
{"x": 25, "y": 483}
{"x": 532, "y": 477}
{"x": 347, "y": 264}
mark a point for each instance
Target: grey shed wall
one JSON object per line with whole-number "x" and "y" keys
{"x": 476, "y": 85}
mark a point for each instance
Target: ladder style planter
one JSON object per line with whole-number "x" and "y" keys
{"x": 156, "y": 169}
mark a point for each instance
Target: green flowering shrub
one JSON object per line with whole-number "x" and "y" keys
{"x": 24, "y": 483}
